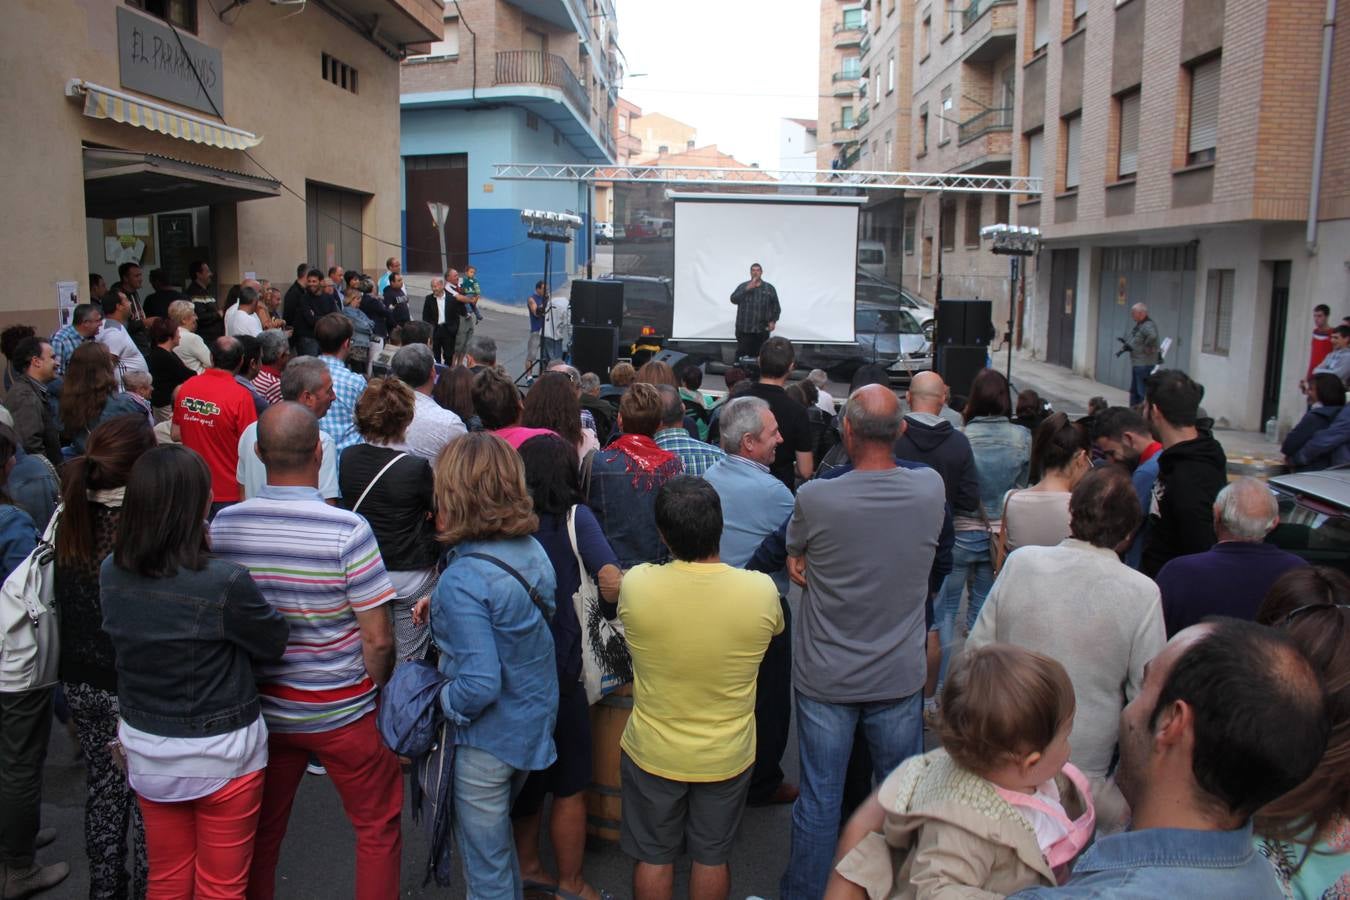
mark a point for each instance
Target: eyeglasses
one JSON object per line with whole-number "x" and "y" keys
{"x": 1294, "y": 614}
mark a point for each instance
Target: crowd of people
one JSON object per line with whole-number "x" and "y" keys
{"x": 267, "y": 525}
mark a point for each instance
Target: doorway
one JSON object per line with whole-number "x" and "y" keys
{"x": 1063, "y": 305}
{"x": 1279, "y": 320}
{"x": 442, "y": 179}
{"x": 333, "y": 226}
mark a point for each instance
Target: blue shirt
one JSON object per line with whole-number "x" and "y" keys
{"x": 498, "y": 651}
{"x": 1169, "y": 862}
{"x": 537, "y": 320}
{"x": 1143, "y": 477}
{"x": 696, "y": 456}
{"x": 64, "y": 343}
{"x": 754, "y": 505}
{"x": 339, "y": 422}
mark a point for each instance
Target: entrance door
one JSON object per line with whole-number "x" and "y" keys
{"x": 1279, "y": 318}
{"x": 333, "y": 226}
{"x": 437, "y": 179}
{"x": 1063, "y": 303}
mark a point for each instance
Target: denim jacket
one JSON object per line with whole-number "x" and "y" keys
{"x": 623, "y": 498}
{"x": 1002, "y": 459}
{"x": 185, "y": 647}
{"x": 498, "y": 651}
{"x": 1170, "y": 862}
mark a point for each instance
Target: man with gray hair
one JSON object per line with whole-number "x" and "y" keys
{"x": 755, "y": 504}
{"x": 432, "y": 427}
{"x": 480, "y": 353}
{"x": 1232, "y": 577}
{"x": 274, "y": 351}
{"x": 306, "y": 381}
{"x": 696, "y": 456}
{"x": 858, "y": 652}
{"x": 1142, "y": 345}
{"x": 242, "y": 318}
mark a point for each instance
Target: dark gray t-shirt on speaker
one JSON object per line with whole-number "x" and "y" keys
{"x": 869, "y": 538}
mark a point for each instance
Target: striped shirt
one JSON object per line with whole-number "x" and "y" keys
{"x": 318, "y": 566}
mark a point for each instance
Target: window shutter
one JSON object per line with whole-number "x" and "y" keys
{"x": 1204, "y": 107}
{"x": 1073, "y": 140}
{"x": 1042, "y": 24}
{"x": 1129, "y": 135}
{"x": 1079, "y": 8}
{"x": 1034, "y": 141}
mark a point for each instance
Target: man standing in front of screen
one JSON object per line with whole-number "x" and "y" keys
{"x": 757, "y": 312}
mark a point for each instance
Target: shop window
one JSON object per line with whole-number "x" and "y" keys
{"x": 974, "y": 207}
{"x": 1218, "y": 312}
{"x": 1073, "y": 146}
{"x": 337, "y": 72}
{"x": 1203, "y": 134}
{"x": 181, "y": 13}
{"x": 1127, "y": 157}
{"x": 948, "y": 234}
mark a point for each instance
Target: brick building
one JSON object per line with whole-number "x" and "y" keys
{"x": 1175, "y": 141}
{"x": 513, "y": 81}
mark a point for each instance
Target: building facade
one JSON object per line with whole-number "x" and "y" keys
{"x": 514, "y": 81}
{"x": 162, "y": 138}
{"x": 1175, "y": 141}
{"x": 797, "y": 145}
{"x": 660, "y": 134}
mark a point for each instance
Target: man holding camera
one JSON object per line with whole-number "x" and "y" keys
{"x": 1142, "y": 346}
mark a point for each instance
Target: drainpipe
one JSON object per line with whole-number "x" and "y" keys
{"x": 1323, "y": 89}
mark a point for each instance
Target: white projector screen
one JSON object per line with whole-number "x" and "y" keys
{"x": 809, "y": 251}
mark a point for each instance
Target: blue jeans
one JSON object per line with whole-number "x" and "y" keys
{"x": 894, "y": 732}
{"x": 1138, "y": 375}
{"x": 485, "y": 788}
{"x": 970, "y": 566}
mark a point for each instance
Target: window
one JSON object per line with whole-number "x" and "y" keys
{"x": 926, "y": 33}
{"x": 1218, "y": 312}
{"x": 846, "y": 116}
{"x": 181, "y": 13}
{"x": 1079, "y": 10}
{"x": 1203, "y": 134}
{"x": 974, "y": 207}
{"x": 531, "y": 121}
{"x": 1035, "y": 140}
{"x": 851, "y": 68}
{"x": 853, "y": 18}
{"x": 890, "y": 161}
{"x": 890, "y": 73}
{"x": 623, "y": 124}
{"x": 449, "y": 44}
{"x": 876, "y": 94}
{"x": 1073, "y": 144}
{"x": 339, "y": 73}
{"x": 947, "y": 18}
{"x": 944, "y": 115}
{"x": 1001, "y": 209}
{"x": 911, "y": 224}
{"x": 947, "y": 212}
{"x": 1127, "y": 161}
{"x": 923, "y": 129}
{"x": 1040, "y": 25}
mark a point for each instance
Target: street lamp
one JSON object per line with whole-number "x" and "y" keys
{"x": 1014, "y": 242}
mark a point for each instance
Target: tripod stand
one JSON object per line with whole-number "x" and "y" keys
{"x": 542, "y": 362}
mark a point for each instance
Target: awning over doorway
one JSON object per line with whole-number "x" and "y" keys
{"x": 126, "y": 183}
{"x": 108, "y": 103}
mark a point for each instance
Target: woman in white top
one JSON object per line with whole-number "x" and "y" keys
{"x": 1039, "y": 515}
{"x": 191, "y": 349}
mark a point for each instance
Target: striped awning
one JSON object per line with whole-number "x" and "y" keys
{"x": 108, "y": 103}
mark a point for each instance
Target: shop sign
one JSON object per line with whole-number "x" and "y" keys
{"x": 151, "y": 61}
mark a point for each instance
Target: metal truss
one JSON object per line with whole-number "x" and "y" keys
{"x": 826, "y": 178}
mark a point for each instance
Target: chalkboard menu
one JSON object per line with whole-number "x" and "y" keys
{"x": 175, "y": 245}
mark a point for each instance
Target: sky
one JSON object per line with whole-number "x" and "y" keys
{"x": 730, "y": 68}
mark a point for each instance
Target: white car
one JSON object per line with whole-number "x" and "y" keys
{"x": 604, "y": 232}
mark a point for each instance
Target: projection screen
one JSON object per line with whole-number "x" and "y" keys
{"x": 808, "y": 247}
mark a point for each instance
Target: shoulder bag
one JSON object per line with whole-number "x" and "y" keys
{"x": 378, "y": 475}
{"x": 30, "y": 642}
{"x": 605, "y": 661}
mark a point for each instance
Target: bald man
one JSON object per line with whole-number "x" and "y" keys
{"x": 1233, "y": 576}
{"x": 929, "y": 438}
{"x": 861, "y": 546}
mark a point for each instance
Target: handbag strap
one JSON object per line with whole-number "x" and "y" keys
{"x": 586, "y": 465}
{"x": 576, "y": 550}
{"x": 387, "y": 466}
{"x": 534, "y": 595}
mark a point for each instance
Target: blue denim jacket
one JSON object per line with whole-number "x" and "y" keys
{"x": 1170, "y": 862}
{"x": 623, "y": 498}
{"x": 498, "y": 651}
{"x": 1002, "y": 459}
{"x": 185, "y": 646}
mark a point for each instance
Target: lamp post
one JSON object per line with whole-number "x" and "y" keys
{"x": 1014, "y": 242}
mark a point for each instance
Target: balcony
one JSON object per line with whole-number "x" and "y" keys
{"x": 562, "y": 13}
{"x": 846, "y": 35}
{"x": 544, "y": 69}
{"x": 406, "y": 23}
{"x": 983, "y": 123}
{"x": 863, "y": 118}
{"x": 850, "y": 155}
{"x": 844, "y": 132}
{"x": 864, "y": 43}
{"x": 845, "y": 83}
{"x": 989, "y": 30}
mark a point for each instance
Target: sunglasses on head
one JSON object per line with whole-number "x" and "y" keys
{"x": 1295, "y": 613}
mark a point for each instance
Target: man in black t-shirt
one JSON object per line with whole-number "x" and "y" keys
{"x": 776, "y": 358}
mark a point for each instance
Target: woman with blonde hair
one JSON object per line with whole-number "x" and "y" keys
{"x": 382, "y": 481}
{"x": 191, "y": 349}
{"x": 489, "y": 617}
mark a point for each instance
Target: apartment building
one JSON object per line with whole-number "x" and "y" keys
{"x": 512, "y": 81}
{"x": 1176, "y": 140}
{"x": 660, "y": 134}
{"x": 155, "y": 132}
{"x": 797, "y": 144}
{"x": 628, "y": 146}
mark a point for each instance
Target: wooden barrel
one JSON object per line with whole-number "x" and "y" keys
{"x": 604, "y": 807}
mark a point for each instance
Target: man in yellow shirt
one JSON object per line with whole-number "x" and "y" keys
{"x": 697, "y": 630}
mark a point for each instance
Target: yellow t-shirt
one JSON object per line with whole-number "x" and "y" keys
{"x": 697, "y": 632}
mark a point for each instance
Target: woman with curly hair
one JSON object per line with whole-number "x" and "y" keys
{"x": 552, "y": 403}
{"x": 90, "y": 395}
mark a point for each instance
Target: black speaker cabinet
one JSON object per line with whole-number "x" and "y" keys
{"x": 594, "y": 349}
{"x": 963, "y": 323}
{"x": 958, "y": 366}
{"x": 597, "y": 303}
{"x": 673, "y": 358}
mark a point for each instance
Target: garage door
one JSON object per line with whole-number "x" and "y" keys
{"x": 333, "y": 226}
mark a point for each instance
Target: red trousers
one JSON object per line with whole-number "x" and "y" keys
{"x": 202, "y": 848}
{"x": 369, "y": 781}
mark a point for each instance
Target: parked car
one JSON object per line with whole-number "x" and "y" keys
{"x": 872, "y": 258}
{"x": 886, "y": 333}
{"x": 604, "y": 232}
{"x": 1314, "y": 516}
{"x": 870, "y": 287}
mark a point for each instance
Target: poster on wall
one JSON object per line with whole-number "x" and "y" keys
{"x": 129, "y": 239}
{"x": 66, "y": 298}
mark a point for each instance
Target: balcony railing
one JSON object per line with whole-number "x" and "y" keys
{"x": 862, "y": 118}
{"x": 978, "y": 8}
{"x": 1000, "y": 119}
{"x": 865, "y": 42}
{"x": 850, "y": 75}
{"x": 846, "y": 125}
{"x": 546, "y": 69}
{"x": 841, "y": 27}
{"x": 850, "y": 156}
{"x": 847, "y": 35}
